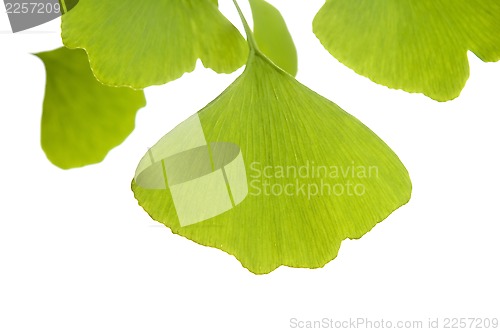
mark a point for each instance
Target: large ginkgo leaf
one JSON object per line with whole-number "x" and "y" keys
{"x": 143, "y": 43}
{"x": 272, "y": 36}
{"x": 271, "y": 173}
{"x": 82, "y": 118}
{"x": 414, "y": 45}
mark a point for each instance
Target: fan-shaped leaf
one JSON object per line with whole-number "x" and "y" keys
{"x": 82, "y": 118}
{"x": 143, "y": 43}
{"x": 414, "y": 45}
{"x": 271, "y": 173}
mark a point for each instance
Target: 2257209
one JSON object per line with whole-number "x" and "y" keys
{"x": 470, "y": 323}
{"x": 32, "y": 8}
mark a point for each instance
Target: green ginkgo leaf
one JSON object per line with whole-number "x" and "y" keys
{"x": 82, "y": 118}
{"x": 272, "y": 36}
{"x": 414, "y": 45}
{"x": 272, "y": 173}
{"x": 142, "y": 43}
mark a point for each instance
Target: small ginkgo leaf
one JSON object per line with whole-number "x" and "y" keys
{"x": 272, "y": 173}
{"x": 82, "y": 119}
{"x": 272, "y": 36}
{"x": 414, "y": 45}
{"x": 142, "y": 43}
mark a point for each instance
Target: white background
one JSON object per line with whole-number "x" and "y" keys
{"x": 78, "y": 254}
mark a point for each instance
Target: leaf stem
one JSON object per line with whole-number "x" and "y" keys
{"x": 250, "y": 38}
{"x": 65, "y": 9}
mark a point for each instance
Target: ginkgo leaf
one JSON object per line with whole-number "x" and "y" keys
{"x": 82, "y": 119}
{"x": 414, "y": 45}
{"x": 272, "y": 36}
{"x": 272, "y": 173}
{"x": 142, "y": 43}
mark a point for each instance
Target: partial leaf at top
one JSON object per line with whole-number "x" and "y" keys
{"x": 414, "y": 45}
{"x": 272, "y": 36}
{"x": 82, "y": 119}
{"x": 143, "y": 43}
